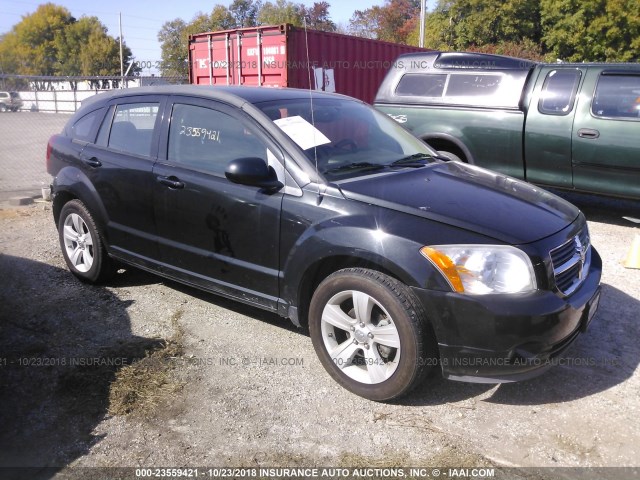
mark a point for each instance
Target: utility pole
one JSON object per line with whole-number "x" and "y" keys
{"x": 121, "y": 56}
{"x": 423, "y": 12}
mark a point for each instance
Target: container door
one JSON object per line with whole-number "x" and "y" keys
{"x": 243, "y": 57}
{"x": 211, "y": 59}
{"x": 606, "y": 140}
{"x": 549, "y": 126}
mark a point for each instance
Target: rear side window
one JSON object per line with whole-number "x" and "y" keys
{"x": 617, "y": 96}
{"x": 482, "y": 89}
{"x": 84, "y": 128}
{"x": 421, "y": 85}
{"x": 206, "y": 139}
{"x": 559, "y": 92}
{"x": 132, "y": 128}
{"x": 473, "y": 85}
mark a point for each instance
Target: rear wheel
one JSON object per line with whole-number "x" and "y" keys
{"x": 3, "y": 107}
{"x": 82, "y": 246}
{"x": 368, "y": 331}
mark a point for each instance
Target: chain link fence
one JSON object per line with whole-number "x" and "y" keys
{"x": 46, "y": 105}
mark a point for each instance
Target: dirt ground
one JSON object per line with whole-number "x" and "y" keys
{"x": 146, "y": 372}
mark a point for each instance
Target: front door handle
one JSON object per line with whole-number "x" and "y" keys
{"x": 171, "y": 182}
{"x": 588, "y": 133}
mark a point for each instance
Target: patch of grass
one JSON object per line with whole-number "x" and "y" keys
{"x": 140, "y": 387}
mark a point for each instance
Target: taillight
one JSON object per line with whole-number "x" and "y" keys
{"x": 49, "y": 148}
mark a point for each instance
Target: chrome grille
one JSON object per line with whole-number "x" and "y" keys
{"x": 570, "y": 262}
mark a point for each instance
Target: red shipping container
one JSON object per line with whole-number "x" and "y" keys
{"x": 276, "y": 56}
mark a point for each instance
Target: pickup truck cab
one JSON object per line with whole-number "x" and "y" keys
{"x": 567, "y": 126}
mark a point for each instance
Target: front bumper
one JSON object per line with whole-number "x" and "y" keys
{"x": 506, "y": 338}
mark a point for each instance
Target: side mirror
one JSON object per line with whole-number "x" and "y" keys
{"x": 254, "y": 172}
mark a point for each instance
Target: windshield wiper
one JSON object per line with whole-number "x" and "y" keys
{"x": 412, "y": 160}
{"x": 357, "y": 166}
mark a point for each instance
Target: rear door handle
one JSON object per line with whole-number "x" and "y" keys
{"x": 92, "y": 162}
{"x": 171, "y": 182}
{"x": 588, "y": 133}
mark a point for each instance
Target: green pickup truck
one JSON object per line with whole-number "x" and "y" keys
{"x": 567, "y": 126}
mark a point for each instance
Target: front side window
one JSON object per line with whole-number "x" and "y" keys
{"x": 132, "y": 128}
{"x": 207, "y": 140}
{"x": 617, "y": 96}
{"x": 559, "y": 92}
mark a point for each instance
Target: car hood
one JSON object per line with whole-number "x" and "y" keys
{"x": 468, "y": 197}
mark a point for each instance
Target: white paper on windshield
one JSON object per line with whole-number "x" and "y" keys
{"x": 302, "y": 132}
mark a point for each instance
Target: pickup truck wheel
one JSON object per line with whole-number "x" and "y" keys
{"x": 82, "y": 246}
{"x": 368, "y": 331}
{"x": 449, "y": 156}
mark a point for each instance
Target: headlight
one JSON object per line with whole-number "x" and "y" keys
{"x": 482, "y": 269}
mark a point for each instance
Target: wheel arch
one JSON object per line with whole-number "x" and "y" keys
{"x": 449, "y": 143}
{"x": 321, "y": 269}
{"x": 71, "y": 184}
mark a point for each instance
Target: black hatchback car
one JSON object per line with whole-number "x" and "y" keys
{"x": 319, "y": 208}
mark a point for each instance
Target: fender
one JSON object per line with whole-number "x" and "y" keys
{"x": 349, "y": 241}
{"x": 71, "y": 180}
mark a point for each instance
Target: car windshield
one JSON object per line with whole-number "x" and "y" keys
{"x": 346, "y": 138}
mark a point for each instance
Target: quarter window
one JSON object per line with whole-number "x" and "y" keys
{"x": 617, "y": 96}
{"x": 132, "y": 128}
{"x": 207, "y": 140}
{"x": 559, "y": 92}
{"x": 83, "y": 129}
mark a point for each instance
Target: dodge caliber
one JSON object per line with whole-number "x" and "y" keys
{"x": 320, "y": 209}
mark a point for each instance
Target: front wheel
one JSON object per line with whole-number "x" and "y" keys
{"x": 369, "y": 333}
{"x": 82, "y": 246}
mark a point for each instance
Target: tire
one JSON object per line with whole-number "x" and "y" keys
{"x": 389, "y": 358}
{"x": 452, "y": 157}
{"x": 82, "y": 246}
{"x": 3, "y": 108}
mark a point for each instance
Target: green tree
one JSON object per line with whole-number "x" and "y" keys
{"x": 174, "y": 38}
{"x": 318, "y": 17}
{"x": 245, "y": 12}
{"x": 52, "y": 42}
{"x": 173, "y": 48}
{"x": 364, "y": 23}
{"x": 392, "y": 22}
{"x": 464, "y": 24}
{"x": 591, "y": 30}
{"x": 282, "y": 11}
{"x": 32, "y": 42}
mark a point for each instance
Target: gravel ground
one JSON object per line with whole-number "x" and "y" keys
{"x": 246, "y": 388}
